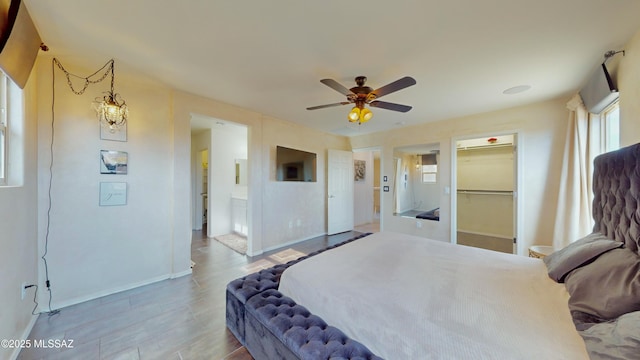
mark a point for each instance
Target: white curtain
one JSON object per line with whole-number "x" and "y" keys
{"x": 584, "y": 142}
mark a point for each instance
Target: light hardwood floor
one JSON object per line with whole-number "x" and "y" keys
{"x": 182, "y": 318}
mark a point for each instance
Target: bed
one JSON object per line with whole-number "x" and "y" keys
{"x": 396, "y": 296}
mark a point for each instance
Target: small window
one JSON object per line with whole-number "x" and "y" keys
{"x": 612, "y": 127}
{"x": 429, "y": 169}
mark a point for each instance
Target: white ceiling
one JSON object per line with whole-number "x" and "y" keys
{"x": 269, "y": 56}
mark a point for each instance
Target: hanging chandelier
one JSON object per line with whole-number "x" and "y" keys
{"x": 111, "y": 109}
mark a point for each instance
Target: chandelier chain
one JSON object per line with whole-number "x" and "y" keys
{"x": 108, "y": 69}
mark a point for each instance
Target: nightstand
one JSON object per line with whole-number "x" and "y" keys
{"x": 540, "y": 251}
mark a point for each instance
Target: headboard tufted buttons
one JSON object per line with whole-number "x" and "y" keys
{"x": 616, "y": 190}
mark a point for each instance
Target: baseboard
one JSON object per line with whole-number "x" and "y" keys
{"x": 181, "y": 274}
{"x": 25, "y": 335}
{"x": 99, "y": 294}
{"x": 279, "y": 246}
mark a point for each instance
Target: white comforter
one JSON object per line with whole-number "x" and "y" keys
{"x": 407, "y": 297}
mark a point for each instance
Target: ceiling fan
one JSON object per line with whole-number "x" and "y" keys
{"x": 361, "y": 95}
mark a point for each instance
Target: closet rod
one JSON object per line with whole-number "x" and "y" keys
{"x": 486, "y": 192}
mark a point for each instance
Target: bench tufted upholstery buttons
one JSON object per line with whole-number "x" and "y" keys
{"x": 305, "y": 334}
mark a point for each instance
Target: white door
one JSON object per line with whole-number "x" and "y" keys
{"x": 340, "y": 192}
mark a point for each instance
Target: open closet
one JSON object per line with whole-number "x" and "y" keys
{"x": 485, "y": 193}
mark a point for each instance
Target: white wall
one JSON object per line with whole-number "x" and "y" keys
{"x": 228, "y": 143}
{"x": 18, "y": 237}
{"x": 363, "y": 191}
{"x": 294, "y": 211}
{"x": 405, "y": 189}
{"x": 542, "y": 127}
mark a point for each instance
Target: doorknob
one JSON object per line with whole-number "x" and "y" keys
{"x": 331, "y": 196}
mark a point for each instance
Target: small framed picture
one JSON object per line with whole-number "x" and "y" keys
{"x": 113, "y": 193}
{"x": 359, "y": 169}
{"x": 119, "y": 134}
{"x": 113, "y": 162}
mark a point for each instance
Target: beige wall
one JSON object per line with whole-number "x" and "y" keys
{"x": 541, "y": 128}
{"x": 628, "y": 77}
{"x": 97, "y": 250}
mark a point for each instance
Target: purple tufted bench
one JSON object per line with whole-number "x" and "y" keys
{"x": 272, "y": 326}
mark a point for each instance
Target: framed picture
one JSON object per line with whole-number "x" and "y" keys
{"x": 359, "y": 169}
{"x": 113, "y": 193}
{"x": 119, "y": 134}
{"x": 113, "y": 162}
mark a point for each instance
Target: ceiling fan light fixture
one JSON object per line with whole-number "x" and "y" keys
{"x": 354, "y": 114}
{"x": 362, "y": 95}
{"x": 365, "y": 115}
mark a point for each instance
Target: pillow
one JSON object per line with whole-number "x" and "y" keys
{"x": 608, "y": 287}
{"x": 576, "y": 254}
{"x": 617, "y": 339}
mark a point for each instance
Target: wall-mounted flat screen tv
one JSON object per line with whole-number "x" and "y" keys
{"x": 295, "y": 165}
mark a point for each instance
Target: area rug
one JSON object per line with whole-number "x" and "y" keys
{"x": 233, "y": 241}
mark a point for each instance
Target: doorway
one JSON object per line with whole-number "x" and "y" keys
{"x": 484, "y": 201}
{"x": 340, "y": 191}
{"x": 219, "y": 192}
{"x": 367, "y": 201}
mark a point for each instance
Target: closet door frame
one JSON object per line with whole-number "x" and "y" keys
{"x": 518, "y": 211}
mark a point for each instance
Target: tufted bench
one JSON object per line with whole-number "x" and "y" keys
{"x": 300, "y": 334}
{"x": 273, "y": 326}
{"x": 241, "y": 290}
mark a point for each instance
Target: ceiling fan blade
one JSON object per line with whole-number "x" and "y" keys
{"x": 337, "y": 86}
{"x": 390, "y": 106}
{"x": 328, "y": 105}
{"x": 394, "y": 86}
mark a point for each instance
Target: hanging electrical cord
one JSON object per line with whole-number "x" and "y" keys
{"x": 87, "y": 80}
{"x": 47, "y": 232}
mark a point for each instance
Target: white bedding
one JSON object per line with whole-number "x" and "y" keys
{"x": 407, "y": 297}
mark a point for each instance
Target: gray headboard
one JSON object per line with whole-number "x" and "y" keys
{"x": 616, "y": 188}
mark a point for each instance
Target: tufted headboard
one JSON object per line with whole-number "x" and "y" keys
{"x": 616, "y": 188}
